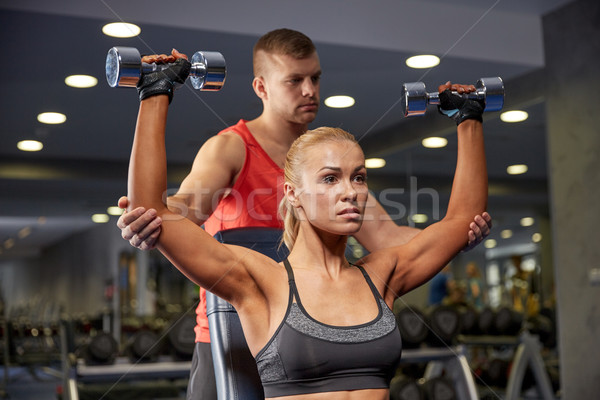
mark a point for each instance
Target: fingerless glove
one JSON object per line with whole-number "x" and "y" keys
{"x": 164, "y": 81}
{"x": 460, "y": 108}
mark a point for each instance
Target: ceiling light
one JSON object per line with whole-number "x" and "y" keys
{"x": 536, "y": 237}
{"x": 419, "y": 218}
{"x": 339, "y": 101}
{"x": 81, "y": 81}
{"x": 434, "y": 142}
{"x": 100, "y": 218}
{"x": 51, "y": 118}
{"x": 527, "y": 221}
{"x": 374, "y": 163}
{"x": 514, "y": 116}
{"x": 23, "y": 233}
{"x": 516, "y": 169}
{"x": 114, "y": 210}
{"x": 9, "y": 243}
{"x": 490, "y": 243}
{"x": 121, "y": 30}
{"x": 30, "y": 145}
{"x": 423, "y": 61}
{"x": 506, "y": 234}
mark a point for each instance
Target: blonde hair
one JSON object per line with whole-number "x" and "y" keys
{"x": 281, "y": 41}
{"x": 294, "y": 164}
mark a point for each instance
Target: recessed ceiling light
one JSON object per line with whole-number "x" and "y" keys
{"x": 516, "y": 169}
{"x": 339, "y": 101}
{"x": 506, "y": 234}
{"x": 100, "y": 218}
{"x": 434, "y": 142}
{"x": 419, "y": 218}
{"x": 514, "y": 116}
{"x": 114, "y": 210}
{"x": 23, "y": 233}
{"x": 490, "y": 243}
{"x": 81, "y": 81}
{"x": 536, "y": 237}
{"x": 527, "y": 221}
{"x": 374, "y": 163}
{"x": 30, "y": 145}
{"x": 51, "y": 118}
{"x": 423, "y": 61}
{"x": 121, "y": 30}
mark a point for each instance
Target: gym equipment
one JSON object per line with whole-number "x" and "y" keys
{"x": 182, "y": 337}
{"x": 404, "y": 388}
{"x": 415, "y": 98}
{"x": 445, "y": 325}
{"x": 469, "y": 318}
{"x": 144, "y": 346}
{"x": 439, "y": 388}
{"x": 124, "y": 68}
{"x": 413, "y": 325}
{"x": 508, "y": 321}
{"x": 235, "y": 368}
{"x": 101, "y": 350}
{"x": 486, "y": 320}
{"x": 449, "y": 362}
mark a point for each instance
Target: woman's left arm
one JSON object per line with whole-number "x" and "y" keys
{"x": 429, "y": 251}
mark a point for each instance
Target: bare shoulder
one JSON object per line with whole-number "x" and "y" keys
{"x": 224, "y": 152}
{"x": 228, "y": 144}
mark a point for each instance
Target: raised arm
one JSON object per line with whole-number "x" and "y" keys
{"x": 217, "y": 267}
{"x": 429, "y": 251}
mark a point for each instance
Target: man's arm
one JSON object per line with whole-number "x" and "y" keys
{"x": 214, "y": 170}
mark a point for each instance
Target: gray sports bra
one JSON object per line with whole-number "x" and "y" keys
{"x": 306, "y": 356}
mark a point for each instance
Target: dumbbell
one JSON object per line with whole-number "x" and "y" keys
{"x": 415, "y": 97}
{"x": 124, "y": 68}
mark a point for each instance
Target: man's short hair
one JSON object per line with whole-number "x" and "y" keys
{"x": 282, "y": 41}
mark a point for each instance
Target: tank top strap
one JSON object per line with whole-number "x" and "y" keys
{"x": 291, "y": 280}
{"x": 369, "y": 281}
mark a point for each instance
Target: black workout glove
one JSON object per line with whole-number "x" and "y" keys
{"x": 460, "y": 108}
{"x": 164, "y": 81}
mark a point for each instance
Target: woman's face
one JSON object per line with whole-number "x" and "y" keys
{"x": 334, "y": 190}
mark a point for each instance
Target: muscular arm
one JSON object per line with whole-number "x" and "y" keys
{"x": 220, "y": 268}
{"x": 214, "y": 170}
{"x": 430, "y": 250}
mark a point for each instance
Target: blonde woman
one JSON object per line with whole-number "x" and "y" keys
{"x": 318, "y": 327}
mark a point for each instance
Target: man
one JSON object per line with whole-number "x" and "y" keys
{"x": 244, "y": 163}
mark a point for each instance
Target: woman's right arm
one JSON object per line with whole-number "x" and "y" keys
{"x": 212, "y": 265}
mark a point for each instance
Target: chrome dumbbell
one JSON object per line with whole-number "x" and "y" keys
{"x": 415, "y": 97}
{"x": 124, "y": 68}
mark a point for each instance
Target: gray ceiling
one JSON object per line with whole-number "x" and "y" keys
{"x": 82, "y": 168}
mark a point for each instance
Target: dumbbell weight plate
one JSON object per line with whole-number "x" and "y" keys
{"x": 494, "y": 92}
{"x": 123, "y": 66}
{"x": 208, "y": 70}
{"x": 414, "y": 98}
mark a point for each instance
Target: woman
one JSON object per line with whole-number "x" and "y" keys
{"x": 317, "y": 326}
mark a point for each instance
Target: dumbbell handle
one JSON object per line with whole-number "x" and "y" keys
{"x": 434, "y": 97}
{"x": 197, "y": 70}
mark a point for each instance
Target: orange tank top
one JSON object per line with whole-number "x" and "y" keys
{"x": 252, "y": 202}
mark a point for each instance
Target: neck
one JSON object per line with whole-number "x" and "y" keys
{"x": 319, "y": 250}
{"x": 268, "y": 127}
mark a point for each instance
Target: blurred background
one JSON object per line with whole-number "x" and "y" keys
{"x": 62, "y": 257}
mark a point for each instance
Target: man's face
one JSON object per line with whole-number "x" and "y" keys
{"x": 292, "y": 87}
